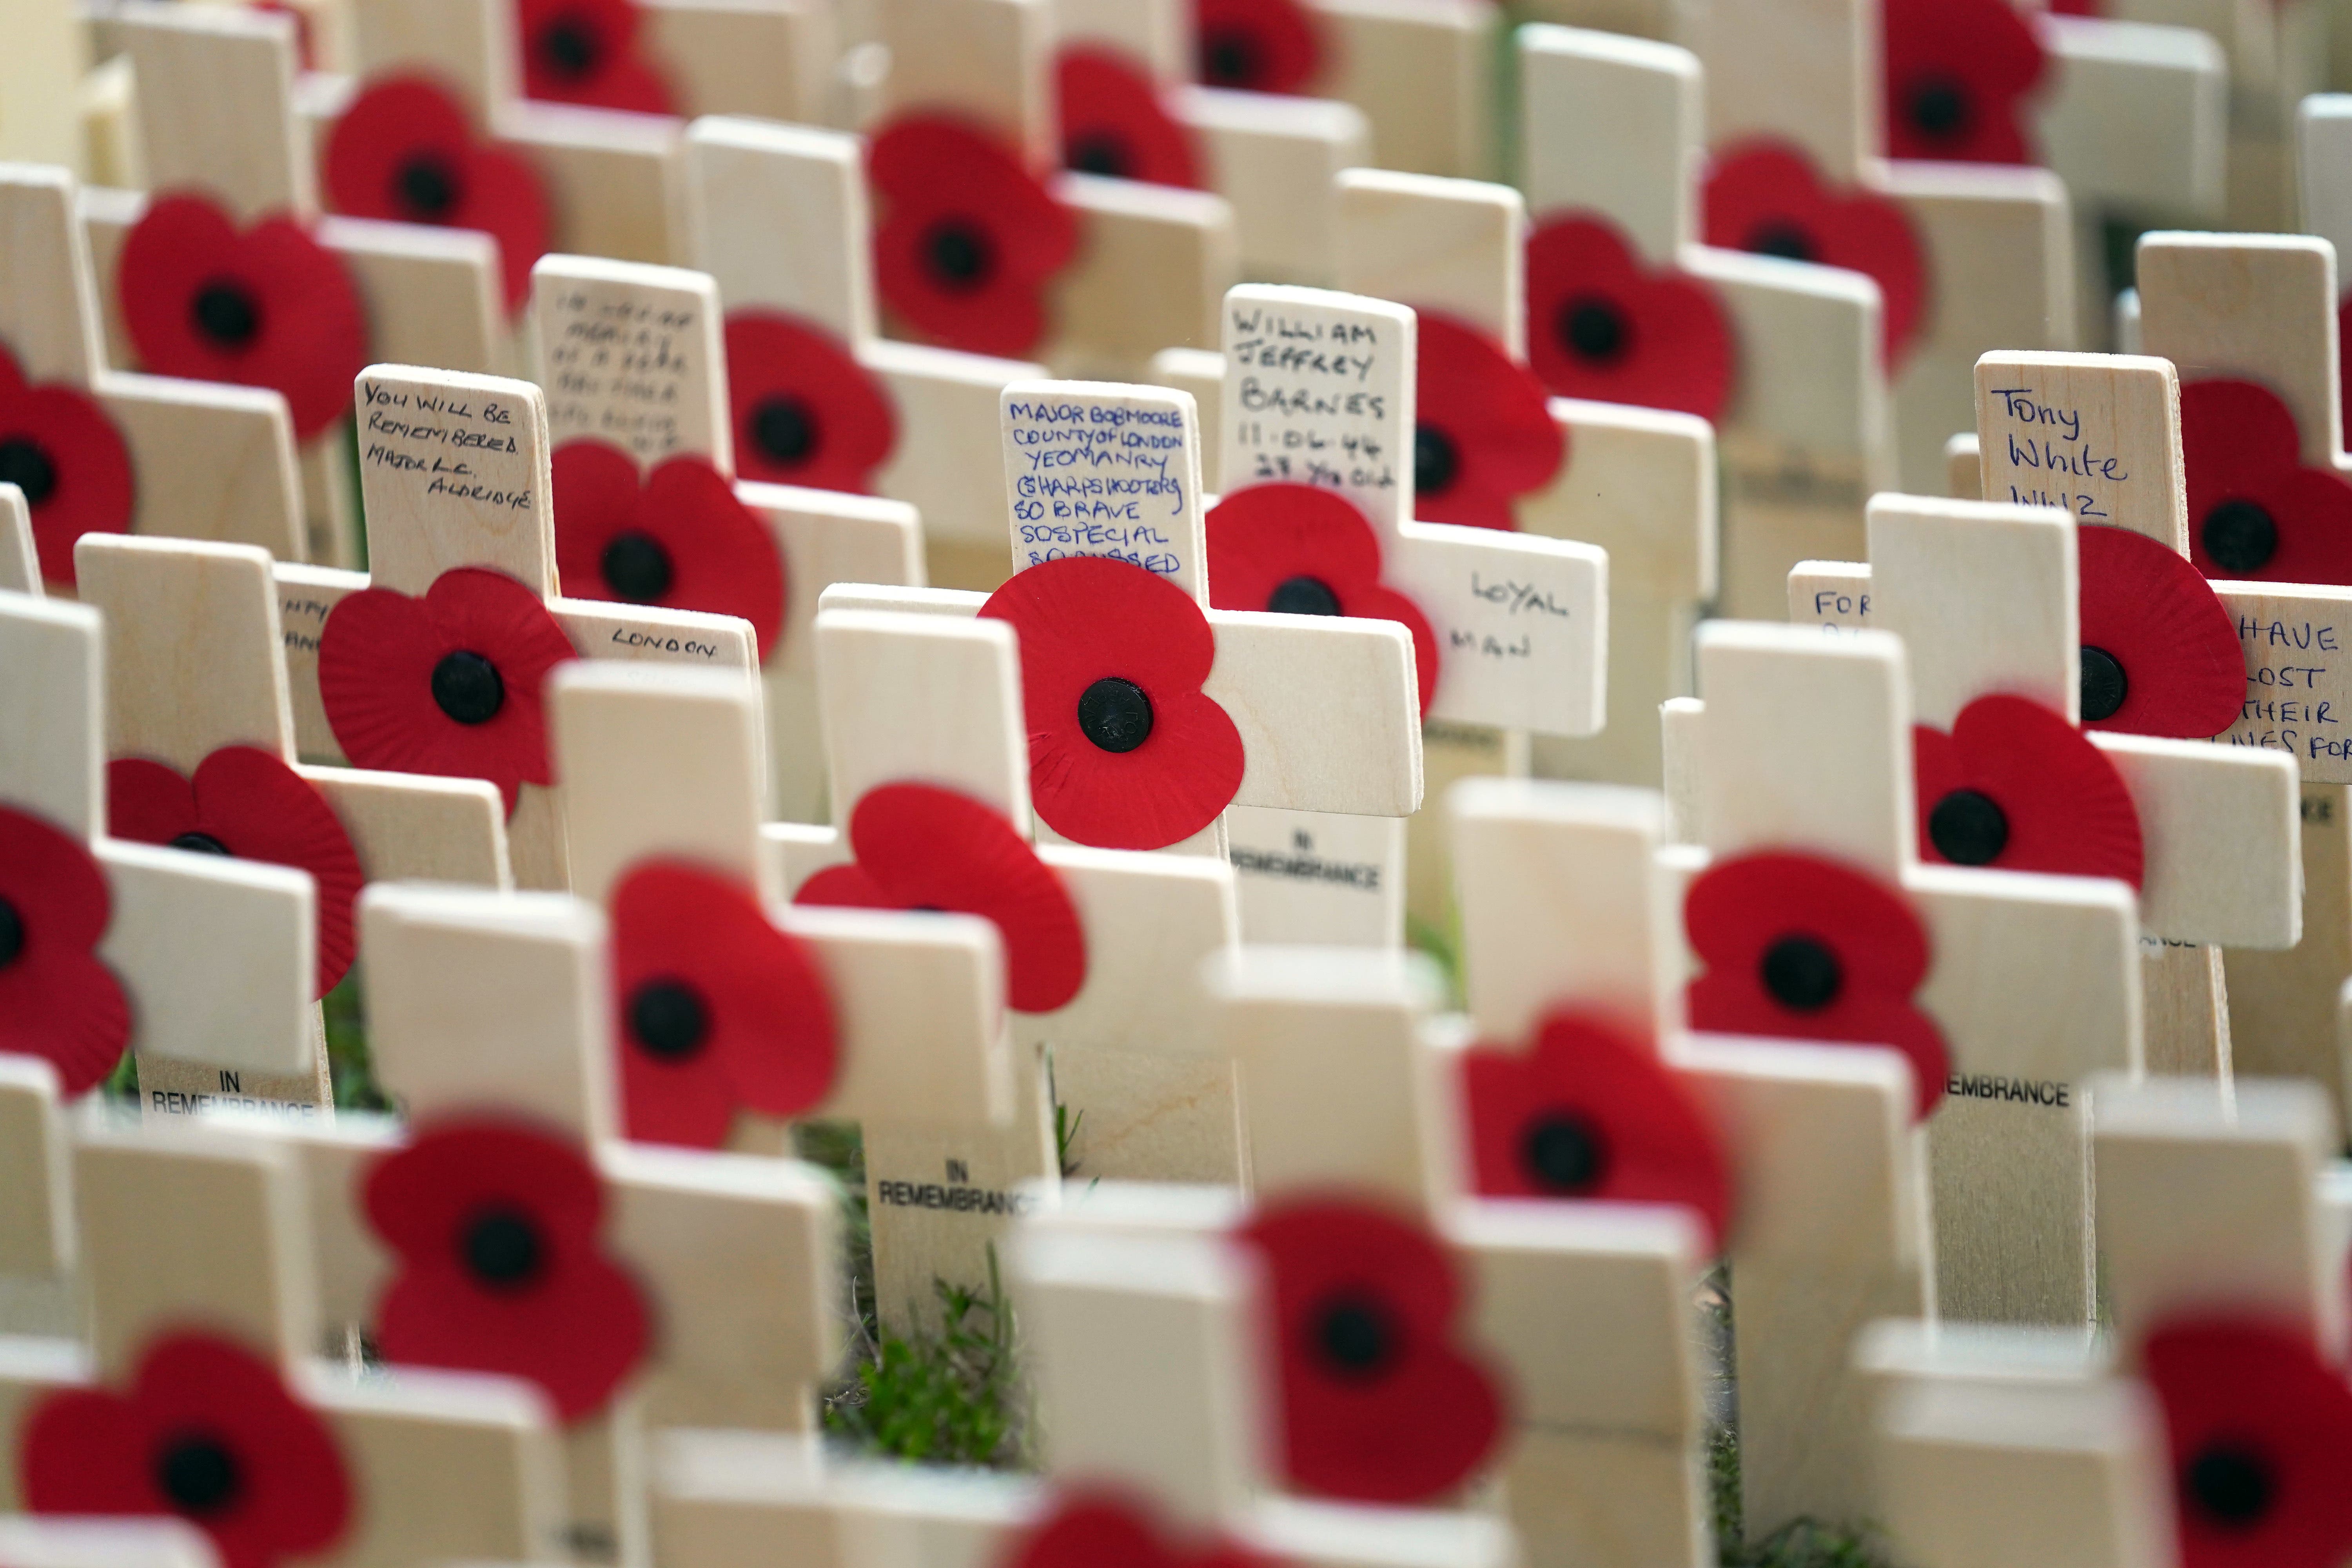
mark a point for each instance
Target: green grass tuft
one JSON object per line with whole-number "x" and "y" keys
{"x": 949, "y": 1396}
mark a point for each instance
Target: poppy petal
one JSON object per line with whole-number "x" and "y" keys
{"x": 1259, "y": 46}
{"x": 58, "y": 1000}
{"x": 1113, "y": 122}
{"x": 1600, "y": 327}
{"x": 805, "y": 412}
{"x": 1489, "y": 415}
{"x": 2151, "y": 614}
{"x": 57, "y": 445}
{"x": 2060, "y": 804}
{"x": 588, "y": 52}
{"x": 968, "y": 236}
{"x": 1956, "y": 73}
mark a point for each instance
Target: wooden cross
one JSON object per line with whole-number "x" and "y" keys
{"x": 1985, "y": 597}
{"x": 194, "y": 666}
{"x": 632, "y": 359}
{"x": 455, "y": 471}
{"x": 197, "y": 1231}
{"x": 1116, "y": 1080}
{"x": 217, "y": 461}
{"x": 1803, "y": 743}
{"x": 105, "y": 1544}
{"x": 1319, "y": 392}
{"x": 213, "y": 957}
{"x": 20, "y": 562}
{"x": 257, "y": 162}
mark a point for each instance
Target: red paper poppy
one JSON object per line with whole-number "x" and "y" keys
{"x": 1484, "y": 434}
{"x": 406, "y": 151}
{"x": 1379, "y": 1404}
{"x": 923, "y": 848}
{"x": 1300, "y": 551}
{"x": 1105, "y": 1529}
{"x": 1764, "y": 196}
{"x": 678, "y": 538}
{"x": 208, "y": 1431}
{"x": 1798, "y": 947}
{"x": 445, "y": 684}
{"x": 1259, "y": 45}
{"x": 1956, "y": 74}
{"x": 246, "y": 803}
{"x": 57, "y": 445}
{"x": 1124, "y": 749}
{"x": 2160, "y": 654}
{"x": 2254, "y": 511}
{"x": 716, "y": 1008}
{"x": 588, "y": 52}
{"x": 1590, "y": 1113}
{"x": 967, "y": 236}
{"x": 2017, "y": 787}
{"x": 1599, "y": 327}
{"x": 58, "y": 1001}
{"x": 805, "y": 412}
{"x": 495, "y": 1225}
{"x": 2260, "y": 1428}
{"x": 268, "y": 306}
{"x": 1114, "y": 124}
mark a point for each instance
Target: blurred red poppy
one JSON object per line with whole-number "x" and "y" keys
{"x": 1484, "y": 434}
{"x": 1599, "y": 327}
{"x": 58, "y": 1000}
{"x": 590, "y": 52}
{"x": 969, "y": 237}
{"x": 57, "y": 445}
{"x": 1958, "y": 72}
{"x": 2255, "y": 510}
{"x": 805, "y": 412}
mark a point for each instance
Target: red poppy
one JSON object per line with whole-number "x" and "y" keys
{"x": 967, "y": 236}
{"x": 2260, "y": 1428}
{"x": 1599, "y": 327}
{"x": 923, "y": 848}
{"x": 805, "y": 412}
{"x": 1102, "y": 1530}
{"x": 716, "y": 1008}
{"x": 495, "y": 1228}
{"x": 57, "y": 445}
{"x": 1802, "y": 948}
{"x": 2160, "y": 654}
{"x": 444, "y": 684}
{"x": 58, "y": 1001}
{"x": 207, "y": 1431}
{"x": 2254, "y": 511}
{"x": 246, "y": 803}
{"x": 1957, "y": 73}
{"x": 2017, "y": 787}
{"x": 265, "y": 307}
{"x": 678, "y": 538}
{"x": 1124, "y": 749}
{"x": 1378, "y": 1401}
{"x": 1589, "y": 1112}
{"x": 1484, "y": 434}
{"x": 1114, "y": 124}
{"x": 1259, "y": 46}
{"x": 1764, "y": 196}
{"x": 406, "y": 151}
{"x": 587, "y": 51}
{"x": 1300, "y": 551}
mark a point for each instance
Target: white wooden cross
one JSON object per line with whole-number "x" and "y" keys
{"x": 257, "y": 162}
{"x": 20, "y": 562}
{"x": 455, "y": 471}
{"x": 105, "y": 1544}
{"x": 2323, "y": 124}
{"x": 1986, "y": 598}
{"x": 217, "y": 461}
{"x": 210, "y": 959}
{"x": 1319, "y": 391}
{"x": 1803, "y": 743}
{"x": 191, "y": 1230}
{"x": 194, "y": 666}
{"x": 632, "y": 357}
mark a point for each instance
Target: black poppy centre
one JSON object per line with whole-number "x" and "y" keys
{"x": 198, "y": 1473}
{"x": 1780, "y": 237}
{"x": 958, "y": 255}
{"x": 1302, "y": 595}
{"x": 427, "y": 188}
{"x": 2230, "y": 1487}
{"x": 1098, "y": 152}
{"x": 1564, "y": 1151}
{"x": 2239, "y": 536}
{"x": 201, "y": 844}
{"x": 1800, "y": 972}
{"x": 467, "y": 688}
{"x": 1594, "y": 329}
{"x": 668, "y": 1019}
{"x": 12, "y": 934}
{"x": 570, "y": 47}
{"x": 1115, "y": 714}
{"x": 1937, "y": 108}
{"x": 1967, "y": 827}
{"x": 637, "y": 567}
{"x": 502, "y": 1249}
{"x": 226, "y": 312}
{"x": 26, "y": 464}
{"x": 1229, "y": 58}
{"x": 1356, "y": 1336}
{"x": 1435, "y": 460}
{"x": 2104, "y": 684}
{"x": 784, "y": 429}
